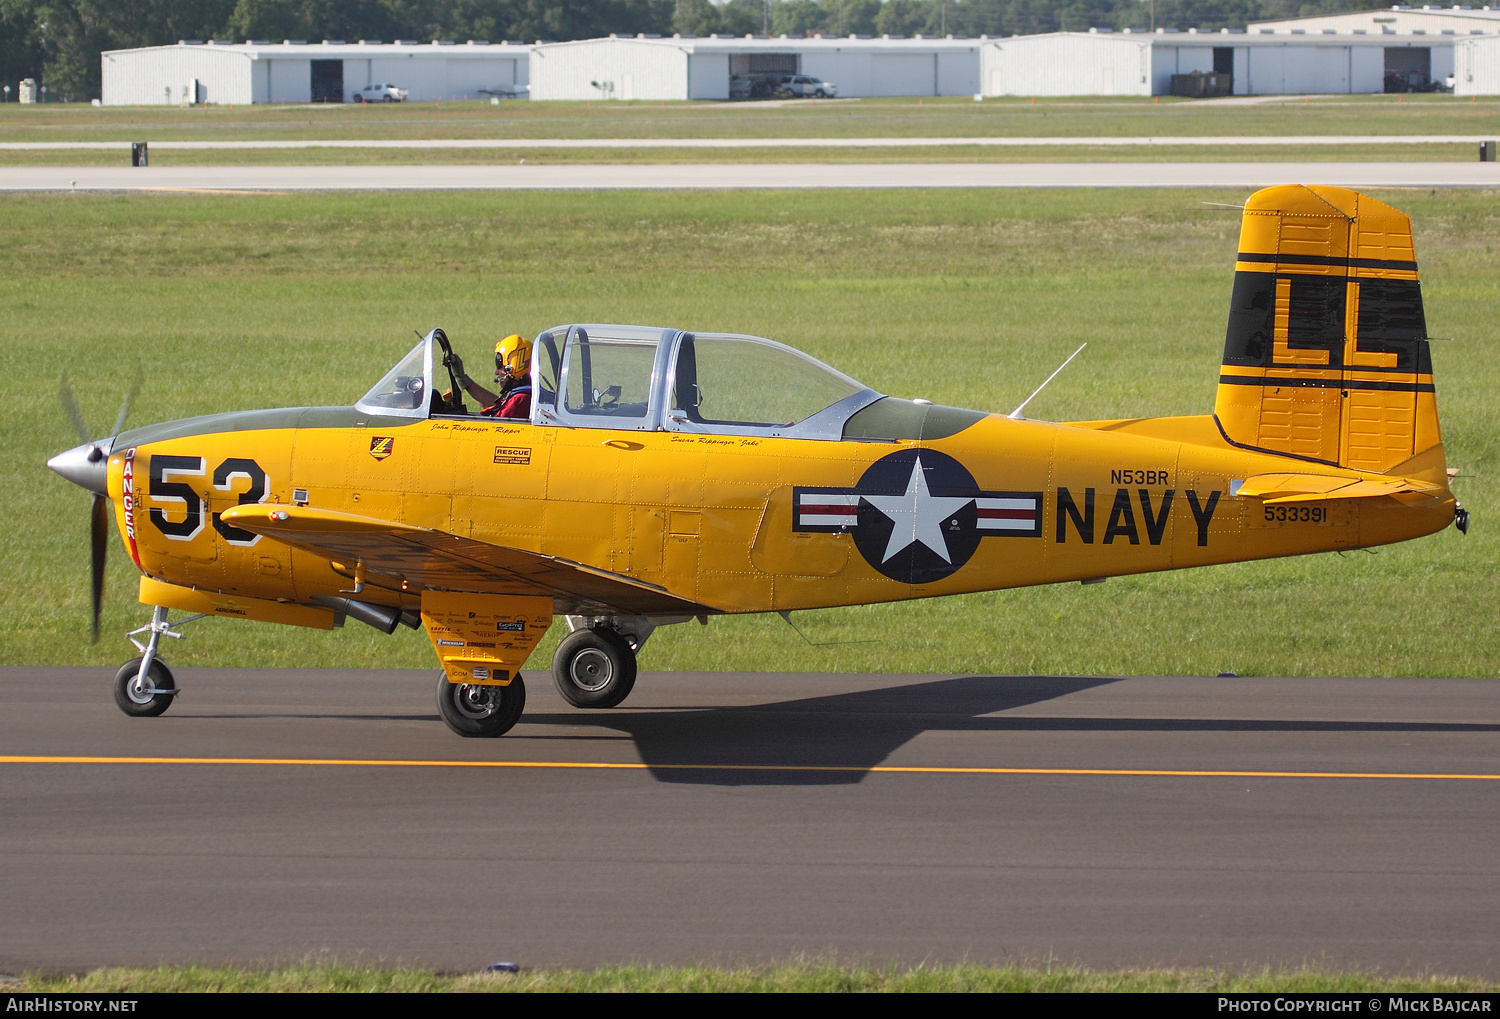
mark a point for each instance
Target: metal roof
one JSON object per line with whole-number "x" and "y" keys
{"x": 781, "y": 44}
{"x": 330, "y": 50}
{"x": 1241, "y": 37}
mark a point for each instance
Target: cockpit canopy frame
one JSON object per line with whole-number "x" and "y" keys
{"x": 644, "y": 378}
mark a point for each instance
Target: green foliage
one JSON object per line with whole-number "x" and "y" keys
{"x": 696, "y": 17}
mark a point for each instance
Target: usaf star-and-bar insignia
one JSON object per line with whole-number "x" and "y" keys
{"x": 917, "y": 516}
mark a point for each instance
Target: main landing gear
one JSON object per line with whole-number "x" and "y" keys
{"x": 481, "y": 710}
{"x": 145, "y": 686}
{"x": 594, "y": 668}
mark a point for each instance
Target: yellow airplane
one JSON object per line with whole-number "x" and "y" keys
{"x": 665, "y": 476}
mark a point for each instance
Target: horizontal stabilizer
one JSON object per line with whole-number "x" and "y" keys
{"x": 1285, "y": 488}
{"x": 403, "y": 557}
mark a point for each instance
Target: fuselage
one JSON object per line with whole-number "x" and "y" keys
{"x": 739, "y": 523}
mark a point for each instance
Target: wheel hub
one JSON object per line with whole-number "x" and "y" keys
{"x": 592, "y": 670}
{"x": 475, "y": 701}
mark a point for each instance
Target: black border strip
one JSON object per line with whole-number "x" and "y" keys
{"x": 1373, "y": 369}
{"x": 1274, "y": 452}
{"x": 1348, "y": 263}
{"x": 1292, "y": 383}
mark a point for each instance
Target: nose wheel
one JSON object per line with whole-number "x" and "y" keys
{"x": 148, "y": 695}
{"x": 594, "y": 668}
{"x": 144, "y": 686}
{"x": 481, "y": 710}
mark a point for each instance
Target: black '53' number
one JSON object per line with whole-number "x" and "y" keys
{"x": 164, "y": 468}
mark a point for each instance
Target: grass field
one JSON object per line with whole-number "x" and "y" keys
{"x": 969, "y": 298}
{"x": 794, "y": 977}
{"x": 863, "y": 118}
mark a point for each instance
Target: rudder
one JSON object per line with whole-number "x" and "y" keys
{"x": 1326, "y": 356}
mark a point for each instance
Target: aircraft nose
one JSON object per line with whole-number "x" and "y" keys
{"x": 87, "y": 466}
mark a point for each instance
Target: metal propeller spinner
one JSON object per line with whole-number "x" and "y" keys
{"x": 86, "y": 466}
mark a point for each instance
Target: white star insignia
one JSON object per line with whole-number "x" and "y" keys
{"x": 917, "y": 515}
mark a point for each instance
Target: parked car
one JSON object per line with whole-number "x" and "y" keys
{"x": 752, "y": 86}
{"x": 802, "y": 86}
{"x": 380, "y": 94}
{"x": 1415, "y": 81}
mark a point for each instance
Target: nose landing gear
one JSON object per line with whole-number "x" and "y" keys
{"x": 144, "y": 696}
{"x": 145, "y": 686}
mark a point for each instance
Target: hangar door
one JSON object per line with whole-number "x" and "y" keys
{"x": 903, "y": 74}
{"x": 327, "y": 81}
{"x": 1407, "y": 67}
{"x": 755, "y": 75}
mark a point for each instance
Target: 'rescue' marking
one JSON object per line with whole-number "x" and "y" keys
{"x": 883, "y": 769}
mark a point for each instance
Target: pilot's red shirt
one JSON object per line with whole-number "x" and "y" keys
{"x": 515, "y": 404}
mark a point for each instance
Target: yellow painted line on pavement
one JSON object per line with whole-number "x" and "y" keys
{"x": 882, "y": 769}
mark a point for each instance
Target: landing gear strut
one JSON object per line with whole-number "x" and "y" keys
{"x": 144, "y": 686}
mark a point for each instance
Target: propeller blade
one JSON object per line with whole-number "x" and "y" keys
{"x": 135, "y": 388}
{"x": 65, "y": 394}
{"x": 98, "y": 544}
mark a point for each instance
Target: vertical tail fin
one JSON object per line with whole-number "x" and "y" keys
{"x": 1326, "y": 355}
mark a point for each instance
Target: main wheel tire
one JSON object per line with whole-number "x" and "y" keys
{"x": 143, "y": 704}
{"x": 474, "y": 710}
{"x": 594, "y": 668}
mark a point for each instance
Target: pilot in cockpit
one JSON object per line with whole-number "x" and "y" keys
{"x": 513, "y": 372}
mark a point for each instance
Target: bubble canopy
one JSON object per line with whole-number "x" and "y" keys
{"x": 645, "y": 378}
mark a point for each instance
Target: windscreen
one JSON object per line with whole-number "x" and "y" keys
{"x": 404, "y": 387}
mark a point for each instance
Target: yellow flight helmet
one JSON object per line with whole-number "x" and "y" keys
{"x": 512, "y": 358}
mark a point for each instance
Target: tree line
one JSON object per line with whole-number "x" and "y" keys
{"x": 59, "y": 41}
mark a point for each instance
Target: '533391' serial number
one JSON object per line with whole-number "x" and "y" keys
{"x": 1297, "y": 514}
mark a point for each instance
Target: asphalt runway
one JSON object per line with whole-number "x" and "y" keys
{"x": 743, "y": 176}
{"x": 729, "y": 818}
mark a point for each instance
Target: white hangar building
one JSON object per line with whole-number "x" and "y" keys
{"x": 684, "y": 67}
{"x": 1101, "y": 62}
{"x": 1398, "y": 20}
{"x": 1476, "y": 66}
{"x": 298, "y": 72}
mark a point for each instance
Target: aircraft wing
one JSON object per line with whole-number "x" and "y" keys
{"x": 402, "y": 557}
{"x": 1288, "y": 488}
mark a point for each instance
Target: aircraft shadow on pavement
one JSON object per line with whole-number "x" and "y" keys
{"x": 851, "y": 732}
